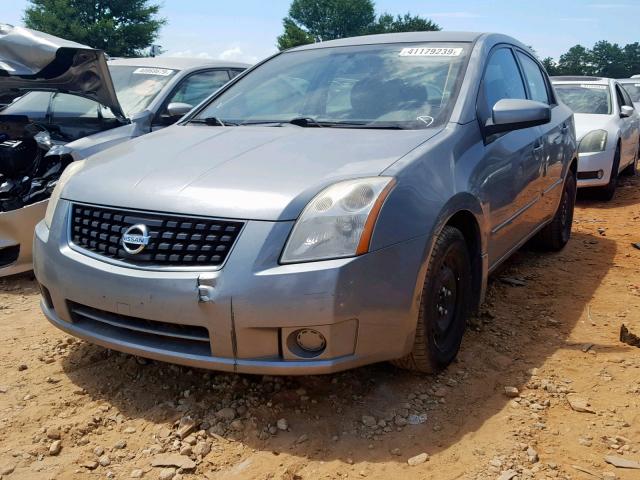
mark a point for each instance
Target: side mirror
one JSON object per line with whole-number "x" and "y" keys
{"x": 176, "y": 110}
{"x": 626, "y": 111}
{"x": 515, "y": 114}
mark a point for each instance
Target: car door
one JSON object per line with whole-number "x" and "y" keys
{"x": 193, "y": 89}
{"x": 634, "y": 121}
{"x": 628, "y": 138}
{"x": 512, "y": 160}
{"x": 554, "y": 137}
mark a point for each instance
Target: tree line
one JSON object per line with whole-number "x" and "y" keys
{"x": 128, "y": 27}
{"x": 605, "y": 59}
{"x": 311, "y": 21}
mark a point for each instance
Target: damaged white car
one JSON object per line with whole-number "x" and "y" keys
{"x": 78, "y": 104}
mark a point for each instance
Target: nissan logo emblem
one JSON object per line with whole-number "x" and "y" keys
{"x": 135, "y": 239}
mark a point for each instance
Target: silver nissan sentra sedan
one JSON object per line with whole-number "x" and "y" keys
{"x": 338, "y": 204}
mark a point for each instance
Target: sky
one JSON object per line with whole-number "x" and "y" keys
{"x": 246, "y": 30}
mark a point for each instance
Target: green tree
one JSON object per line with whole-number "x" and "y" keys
{"x": 387, "y": 23}
{"x": 631, "y": 53}
{"x": 293, "y": 36}
{"x": 550, "y": 66}
{"x": 119, "y": 27}
{"x": 607, "y": 60}
{"x": 575, "y": 62}
{"x": 319, "y": 20}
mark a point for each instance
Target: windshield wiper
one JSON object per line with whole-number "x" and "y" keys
{"x": 367, "y": 125}
{"x": 211, "y": 121}
{"x": 305, "y": 122}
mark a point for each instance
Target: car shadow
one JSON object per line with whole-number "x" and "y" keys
{"x": 517, "y": 329}
{"x": 17, "y": 284}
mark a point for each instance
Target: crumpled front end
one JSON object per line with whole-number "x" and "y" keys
{"x": 27, "y": 178}
{"x": 16, "y": 237}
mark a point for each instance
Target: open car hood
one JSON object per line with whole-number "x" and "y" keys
{"x": 32, "y": 60}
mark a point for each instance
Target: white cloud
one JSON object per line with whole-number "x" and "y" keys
{"x": 233, "y": 54}
{"x": 237, "y": 55}
{"x": 454, "y": 15}
{"x": 188, "y": 54}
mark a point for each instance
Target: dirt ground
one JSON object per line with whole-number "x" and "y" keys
{"x": 69, "y": 409}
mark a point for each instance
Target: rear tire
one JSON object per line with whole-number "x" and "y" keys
{"x": 444, "y": 306}
{"x": 608, "y": 192}
{"x": 556, "y": 234}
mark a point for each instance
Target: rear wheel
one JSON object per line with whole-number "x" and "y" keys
{"x": 556, "y": 234}
{"x": 607, "y": 193}
{"x": 444, "y": 306}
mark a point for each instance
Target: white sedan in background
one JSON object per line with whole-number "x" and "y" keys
{"x": 607, "y": 129}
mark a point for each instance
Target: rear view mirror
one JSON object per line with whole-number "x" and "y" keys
{"x": 626, "y": 111}
{"x": 514, "y": 114}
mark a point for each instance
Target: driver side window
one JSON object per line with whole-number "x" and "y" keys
{"x": 501, "y": 80}
{"x": 195, "y": 88}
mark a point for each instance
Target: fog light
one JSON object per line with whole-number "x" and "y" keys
{"x": 311, "y": 341}
{"x": 600, "y": 174}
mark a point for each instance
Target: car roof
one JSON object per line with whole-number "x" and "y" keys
{"x": 176, "y": 63}
{"x": 404, "y": 37}
{"x": 581, "y": 79}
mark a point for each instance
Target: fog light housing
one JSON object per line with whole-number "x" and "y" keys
{"x": 307, "y": 342}
{"x": 600, "y": 174}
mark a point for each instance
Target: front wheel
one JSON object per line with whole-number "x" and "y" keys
{"x": 556, "y": 234}
{"x": 444, "y": 306}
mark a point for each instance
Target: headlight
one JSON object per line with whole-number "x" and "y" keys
{"x": 71, "y": 169}
{"x": 594, "y": 141}
{"x": 338, "y": 222}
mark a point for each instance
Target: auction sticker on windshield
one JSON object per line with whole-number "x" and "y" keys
{"x": 163, "y": 72}
{"x": 430, "y": 52}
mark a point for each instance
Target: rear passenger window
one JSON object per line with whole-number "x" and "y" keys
{"x": 502, "y": 79}
{"x": 534, "y": 78}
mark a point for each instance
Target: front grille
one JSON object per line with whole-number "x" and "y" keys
{"x": 174, "y": 240}
{"x": 186, "y": 339}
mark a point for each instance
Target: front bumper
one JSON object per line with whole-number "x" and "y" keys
{"x": 366, "y": 307}
{"x": 591, "y": 163}
{"x": 16, "y": 237}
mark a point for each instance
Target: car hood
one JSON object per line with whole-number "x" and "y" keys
{"x": 259, "y": 173}
{"x": 586, "y": 123}
{"x": 32, "y": 60}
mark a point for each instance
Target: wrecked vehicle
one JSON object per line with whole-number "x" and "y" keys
{"x": 78, "y": 104}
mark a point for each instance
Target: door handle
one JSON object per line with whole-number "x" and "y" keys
{"x": 565, "y": 128}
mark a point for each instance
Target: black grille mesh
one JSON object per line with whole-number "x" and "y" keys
{"x": 175, "y": 241}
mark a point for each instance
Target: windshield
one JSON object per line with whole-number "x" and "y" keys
{"x": 633, "y": 89}
{"x": 137, "y": 86}
{"x": 585, "y": 98}
{"x": 393, "y": 85}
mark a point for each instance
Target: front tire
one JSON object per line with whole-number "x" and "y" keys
{"x": 444, "y": 306}
{"x": 556, "y": 234}
{"x": 607, "y": 192}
